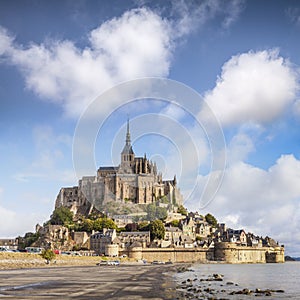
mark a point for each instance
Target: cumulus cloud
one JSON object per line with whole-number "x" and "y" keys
{"x": 139, "y": 43}
{"x": 253, "y": 87}
{"x": 262, "y": 201}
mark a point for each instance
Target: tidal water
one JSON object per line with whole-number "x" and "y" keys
{"x": 284, "y": 276}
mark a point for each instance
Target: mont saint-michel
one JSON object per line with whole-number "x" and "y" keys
{"x": 136, "y": 180}
{"x": 131, "y": 211}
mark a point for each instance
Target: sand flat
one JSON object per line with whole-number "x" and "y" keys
{"x": 94, "y": 282}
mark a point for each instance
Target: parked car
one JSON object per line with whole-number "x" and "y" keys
{"x": 102, "y": 263}
{"x": 158, "y": 262}
{"x": 35, "y": 250}
{"x": 113, "y": 263}
{"x": 109, "y": 263}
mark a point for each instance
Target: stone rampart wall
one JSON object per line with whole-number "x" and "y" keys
{"x": 172, "y": 254}
{"x": 232, "y": 253}
{"x": 223, "y": 252}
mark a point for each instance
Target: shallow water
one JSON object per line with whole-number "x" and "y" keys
{"x": 263, "y": 276}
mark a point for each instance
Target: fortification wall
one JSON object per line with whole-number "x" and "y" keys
{"x": 172, "y": 254}
{"x": 232, "y": 253}
{"x": 275, "y": 256}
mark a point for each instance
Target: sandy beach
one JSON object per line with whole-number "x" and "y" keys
{"x": 80, "y": 278}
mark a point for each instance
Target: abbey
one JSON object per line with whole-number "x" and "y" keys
{"x": 135, "y": 180}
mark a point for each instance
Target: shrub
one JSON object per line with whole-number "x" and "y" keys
{"x": 48, "y": 255}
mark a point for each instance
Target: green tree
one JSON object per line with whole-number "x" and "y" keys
{"x": 157, "y": 229}
{"x": 108, "y": 223}
{"x": 87, "y": 225}
{"x": 210, "y": 219}
{"x": 182, "y": 210}
{"x": 61, "y": 216}
{"x": 27, "y": 240}
{"x": 175, "y": 223}
{"x": 143, "y": 226}
{"x": 94, "y": 215}
{"x": 48, "y": 255}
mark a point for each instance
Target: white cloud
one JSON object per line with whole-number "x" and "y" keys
{"x": 13, "y": 224}
{"x": 253, "y": 87}
{"x": 293, "y": 13}
{"x": 192, "y": 15}
{"x": 239, "y": 148}
{"x": 5, "y": 41}
{"x": 234, "y": 9}
{"x": 137, "y": 44}
{"x": 174, "y": 112}
{"x": 265, "y": 202}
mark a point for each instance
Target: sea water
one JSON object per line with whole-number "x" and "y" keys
{"x": 281, "y": 276}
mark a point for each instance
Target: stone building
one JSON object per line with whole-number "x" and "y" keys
{"x": 110, "y": 244}
{"x": 135, "y": 180}
{"x": 100, "y": 240}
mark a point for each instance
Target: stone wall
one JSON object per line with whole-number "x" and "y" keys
{"x": 223, "y": 252}
{"x": 232, "y": 253}
{"x": 172, "y": 254}
{"x": 276, "y": 256}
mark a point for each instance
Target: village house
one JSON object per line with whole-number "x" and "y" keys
{"x": 237, "y": 236}
{"x": 99, "y": 240}
{"x": 203, "y": 229}
{"x": 172, "y": 236}
{"x": 128, "y": 238}
{"x": 188, "y": 227}
{"x": 108, "y": 242}
{"x": 253, "y": 241}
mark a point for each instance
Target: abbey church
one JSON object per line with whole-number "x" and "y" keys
{"x": 135, "y": 180}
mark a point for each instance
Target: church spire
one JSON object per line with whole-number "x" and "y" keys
{"x": 128, "y": 141}
{"x": 127, "y": 155}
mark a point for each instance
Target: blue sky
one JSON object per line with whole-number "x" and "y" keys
{"x": 241, "y": 57}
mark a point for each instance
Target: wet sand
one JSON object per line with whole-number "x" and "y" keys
{"x": 131, "y": 281}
